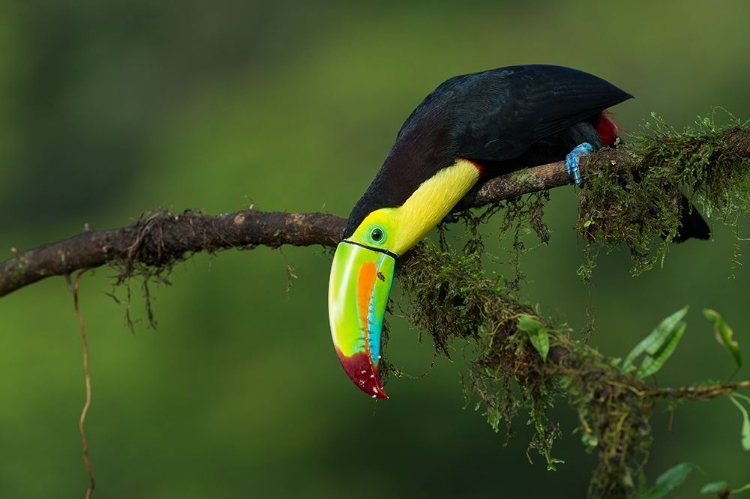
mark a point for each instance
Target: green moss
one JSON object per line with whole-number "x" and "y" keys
{"x": 451, "y": 299}
{"x": 709, "y": 163}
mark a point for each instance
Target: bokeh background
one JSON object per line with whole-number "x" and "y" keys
{"x": 109, "y": 109}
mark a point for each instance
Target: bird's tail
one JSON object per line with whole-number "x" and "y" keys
{"x": 692, "y": 224}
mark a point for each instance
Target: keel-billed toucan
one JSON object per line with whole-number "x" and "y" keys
{"x": 474, "y": 125}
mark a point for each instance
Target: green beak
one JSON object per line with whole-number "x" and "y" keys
{"x": 358, "y": 292}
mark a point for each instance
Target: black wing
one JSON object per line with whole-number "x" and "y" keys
{"x": 497, "y": 115}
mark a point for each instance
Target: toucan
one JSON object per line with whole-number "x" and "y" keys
{"x": 471, "y": 126}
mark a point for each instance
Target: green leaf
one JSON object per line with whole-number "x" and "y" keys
{"x": 670, "y": 480}
{"x": 653, "y": 362}
{"x": 714, "y": 487}
{"x": 537, "y": 334}
{"x": 745, "y": 423}
{"x": 589, "y": 440}
{"x": 658, "y": 345}
{"x": 724, "y": 335}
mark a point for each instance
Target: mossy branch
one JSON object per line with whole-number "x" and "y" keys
{"x": 634, "y": 195}
{"x": 451, "y": 299}
{"x": 160, "y": 239}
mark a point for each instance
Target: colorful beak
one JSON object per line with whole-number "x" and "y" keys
{"x": 357, "y": 296}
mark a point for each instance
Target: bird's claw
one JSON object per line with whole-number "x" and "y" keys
{"x": 574, "y": 157}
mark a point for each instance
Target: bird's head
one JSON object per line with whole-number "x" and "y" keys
{"x": 364, "y": 263}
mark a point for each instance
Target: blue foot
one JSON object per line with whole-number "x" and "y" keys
{"x": 572, "y": 159}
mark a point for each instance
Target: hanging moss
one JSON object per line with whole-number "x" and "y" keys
{"x": 451, "y": 298}
{"x": 709, "y": 163}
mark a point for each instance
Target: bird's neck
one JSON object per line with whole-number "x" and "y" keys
{"x": 432, "y": 201}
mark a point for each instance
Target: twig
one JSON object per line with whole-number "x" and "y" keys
{"x": 698, "y": 392}
{"x": 87, "y": 375}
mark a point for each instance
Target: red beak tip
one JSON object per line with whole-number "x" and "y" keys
{"x": 363, "y": 374}
{"x": 376, "y": 389}
{"x": 371, "y": 386}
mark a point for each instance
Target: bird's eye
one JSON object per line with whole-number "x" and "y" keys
{"x": 377, "y": 235}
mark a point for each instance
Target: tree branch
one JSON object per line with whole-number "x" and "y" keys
{"x": 161, "y": 239}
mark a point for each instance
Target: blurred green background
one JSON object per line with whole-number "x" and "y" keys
{"x": 112, "y": 108}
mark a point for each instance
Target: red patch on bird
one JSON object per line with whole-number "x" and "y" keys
{"x": 479, "y": 168}
{"x": 607, "y": 128}
{"x": 476, "y": 165}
